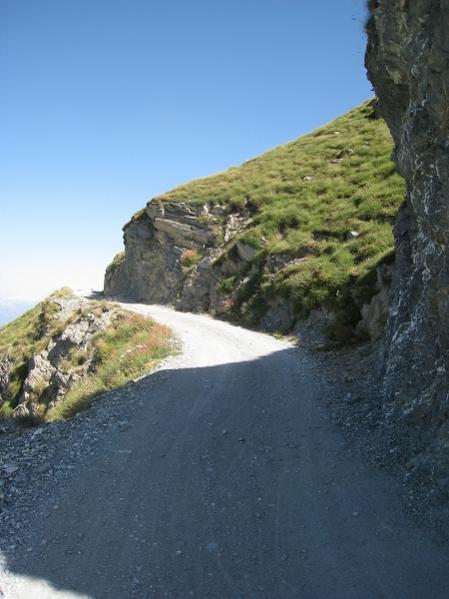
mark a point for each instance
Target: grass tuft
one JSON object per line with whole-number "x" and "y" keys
{"x": 117, "y": 261}
{"x": 190, "y": 257}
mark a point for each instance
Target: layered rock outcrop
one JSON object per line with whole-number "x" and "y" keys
{"x": 192, "y": 256}
{"x": 299, "y": 228}
{"x": 162, "y": 243}
{"x": 67, "y": 356}
{"x": 408, "y": 63}
{"x": 187, "y": 255}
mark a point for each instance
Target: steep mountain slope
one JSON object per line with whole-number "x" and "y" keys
{"x": 301, "y": 227}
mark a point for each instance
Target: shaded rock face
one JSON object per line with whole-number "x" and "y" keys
{"x": 408, "y": 63}
{"x": 374, "y": 314}
{"x": 158, "y": 244}
{"x": 175, "y": 255}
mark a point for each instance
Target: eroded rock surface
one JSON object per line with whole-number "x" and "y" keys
{"x": 185, "y": 255}
{"x": 192, "y": 256}
{"x": 374, "y": 313}
{"x": 67, "y": 357}
{"x": 6, "y": 366}
{"x": 407, "y": 60}
{"x": 159, "y": 244}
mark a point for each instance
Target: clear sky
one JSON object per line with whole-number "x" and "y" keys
{"x": 107, "y": 103}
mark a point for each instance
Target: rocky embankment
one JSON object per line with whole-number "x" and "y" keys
{"x": 305, "y": 228}
{"x": 173, "y": 255}
{"x": 407, "y": 57}
{"x": 192, "y": 257}
{"x": 61, "y": 353}
{"x": 177, "y": 253}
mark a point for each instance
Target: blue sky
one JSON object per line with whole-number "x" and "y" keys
{"x": 106, "y": 103}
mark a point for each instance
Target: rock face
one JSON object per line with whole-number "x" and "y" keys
{"x": 375, "y": 313}
{"x": 191, "y": 256}
{"x": 67, "y": 357}
{"x": 163, "y": 243}
{"x": 179, "y": 254}
{"x": 407, "y": 60}
{"x": 6, "y": 366}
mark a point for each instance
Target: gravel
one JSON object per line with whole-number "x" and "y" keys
{"x": 224, "y": 474}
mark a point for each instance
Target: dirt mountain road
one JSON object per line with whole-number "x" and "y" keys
{"x": 227, "y": 481}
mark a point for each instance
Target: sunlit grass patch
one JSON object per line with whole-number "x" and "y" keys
{"x": 190, "y": 257}
{"x": 130, "y": 348}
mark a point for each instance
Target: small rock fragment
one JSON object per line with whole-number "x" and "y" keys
{"x": 43, "y": 468}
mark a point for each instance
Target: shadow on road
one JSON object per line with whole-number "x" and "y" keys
{"x": 228, "y": 482}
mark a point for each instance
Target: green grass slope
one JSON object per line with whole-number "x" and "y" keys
{"x": 326, "y": 200}
{"x": 130, "y": 347}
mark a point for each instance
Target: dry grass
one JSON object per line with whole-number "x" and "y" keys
{"x": 190, "y": 257}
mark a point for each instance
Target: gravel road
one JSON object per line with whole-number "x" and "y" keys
{"x": 220, "y": 475}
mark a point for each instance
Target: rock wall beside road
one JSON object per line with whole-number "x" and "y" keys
{"x": 189, "y": 256}
{"x": 407, "y": 60}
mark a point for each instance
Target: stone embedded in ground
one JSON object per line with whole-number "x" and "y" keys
{"x": 43, "y": 468}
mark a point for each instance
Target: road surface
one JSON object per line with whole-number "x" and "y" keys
{"x": 229, "y": 481}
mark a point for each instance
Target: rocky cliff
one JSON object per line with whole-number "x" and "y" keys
{"x": 47, "y": 352}
{"x": 304, "y": 227}
{"x": 57, "y": 357}
{"x": 164, "y": 243}
{"x": 407, "y": 60}
{"x": 174, "y": 254}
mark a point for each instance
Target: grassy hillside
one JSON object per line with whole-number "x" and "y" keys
{"x": 129, "y": 347}
{"x": 27, "y": 335}
{"x": 326, "y": 202}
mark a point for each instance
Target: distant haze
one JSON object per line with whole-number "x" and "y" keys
{"x": 38, "y": 277}
{"x": 12, "y": 307}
